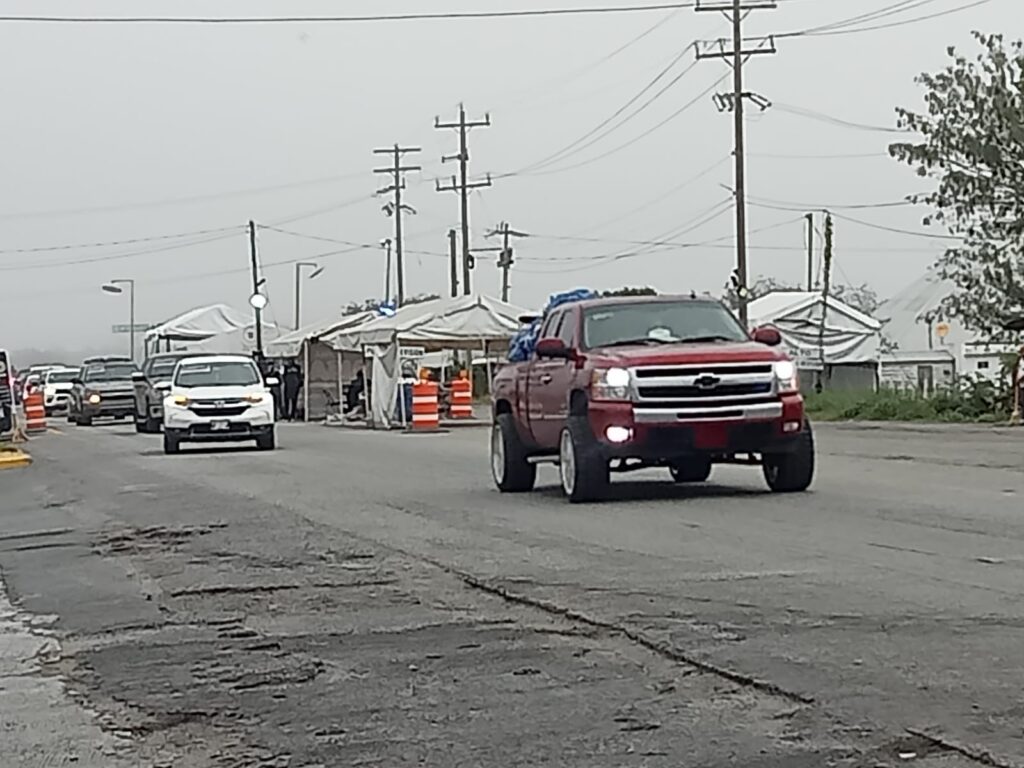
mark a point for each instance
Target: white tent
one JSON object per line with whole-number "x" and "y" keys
{"x": 290, "y": 344}
{"x": 464, "y": 322}
{"x": 850, "y": 335}
{"x": 198, "y": 324}
{"x": 237, "y": 341}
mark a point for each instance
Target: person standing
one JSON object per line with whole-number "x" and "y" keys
{"x": 292, "y": 387}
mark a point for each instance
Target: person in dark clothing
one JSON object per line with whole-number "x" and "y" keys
{"x": 292, "y": 386}
{"x": 355, "y": 391}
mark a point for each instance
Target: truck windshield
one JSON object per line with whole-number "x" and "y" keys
{"x": 226, "y": 374}
{"x": 61, "y": 377}
{"x": 659, "y": 322}
{"x": 109, "y": 372}
{"x": 162, "y": 367}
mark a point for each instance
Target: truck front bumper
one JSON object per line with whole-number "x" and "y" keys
{"x": 656, "y": 435}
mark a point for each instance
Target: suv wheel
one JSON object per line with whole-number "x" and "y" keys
{"x": 171, "y": 444}
{"x": 511, "y": 470}
{"x": 266, "y": 442}
{"x": 582, "y": 467}
{"x": 791, "y": 472}
{"x": 691, "y": 471}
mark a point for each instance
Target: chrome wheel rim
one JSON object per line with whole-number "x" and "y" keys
{"x": 567, "y": 463}
{"x": 497, "y": 455}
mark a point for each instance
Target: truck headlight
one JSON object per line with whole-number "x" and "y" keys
{"x": 94, "y": 398}
{"x": 786, "y": 377}
{"x": 50, "y": 392}
{"x": 610, "y": 384}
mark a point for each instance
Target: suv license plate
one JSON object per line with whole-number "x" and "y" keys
{"x": 220, "y": 426}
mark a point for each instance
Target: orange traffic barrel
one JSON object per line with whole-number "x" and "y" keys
{"x": 462, "y": 397}
{"x": 424, "y": 405}
{"x": 35, "y": 413}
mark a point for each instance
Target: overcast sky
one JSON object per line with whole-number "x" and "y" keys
{"x": 118, "y": 132}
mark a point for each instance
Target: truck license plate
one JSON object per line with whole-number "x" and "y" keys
{"x": 220, "y": 426}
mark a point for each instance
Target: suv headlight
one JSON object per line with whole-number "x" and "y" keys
{"x": 610, "y": 384}
{"x": 786, "y": 377}
{"x": 179, "y": 400}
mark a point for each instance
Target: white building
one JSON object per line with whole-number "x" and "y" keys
{"x": 927, "y": 342}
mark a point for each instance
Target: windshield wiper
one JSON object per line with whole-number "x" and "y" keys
{"x": 639, "y": 342}
{"x": 703, "y": 339}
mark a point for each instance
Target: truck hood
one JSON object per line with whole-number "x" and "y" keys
{"x": 219, "y": 393}
{"x": 683, "y": 354}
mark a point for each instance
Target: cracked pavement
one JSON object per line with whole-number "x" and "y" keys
{"x": 367, "y": 599}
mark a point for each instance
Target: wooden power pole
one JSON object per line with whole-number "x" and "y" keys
{"x": 810, "y": 251}
{"x": 462, "y": 185}
{"x": 453, "y": 260}
{"x": 737, "y": 51}
{"x": 826, "y": 281}
{"x": 396, "y": 207}
{"x": 505, "y": 253}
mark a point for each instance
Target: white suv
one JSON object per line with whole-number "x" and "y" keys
{"x": 219, "y": 398}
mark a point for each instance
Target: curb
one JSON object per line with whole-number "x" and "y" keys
{"x": 13, "y": 458}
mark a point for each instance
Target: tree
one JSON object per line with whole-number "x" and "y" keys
{"x": 627, "y": 291}
{"x": 368, "y": 305}
{"x": 862, "y": 297}
{"x": 762, "y": 286}
{"x": 973, "y": 146}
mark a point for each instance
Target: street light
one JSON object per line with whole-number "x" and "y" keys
{"x": 317, "y": 271}
{"x": 114, "y": 286}
{"x": 386, "y": 245}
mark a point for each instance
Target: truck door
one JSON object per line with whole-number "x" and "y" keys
{"x": 538, "y": 377}
{"x": 553, "y": 379}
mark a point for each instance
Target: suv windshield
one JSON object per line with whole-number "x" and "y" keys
{"x": 226, "y": 374}
{"x": 109, "y": 372}
{"x": 659, "y": 322}
{"x": 61, "y": 377}
{"x": 161, "y": 367}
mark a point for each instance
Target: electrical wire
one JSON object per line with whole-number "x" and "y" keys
{"x": 785, "y": 205}
{"x": 826, "y": 118}
{"x": 889, "y": 25}
{"x": 423, "y": 16}
{"x": 129, "y": 241}
{"x": 896, "y": 230}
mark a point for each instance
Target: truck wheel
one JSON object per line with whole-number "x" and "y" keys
{"x": 692, "y": 471}
{"x": 510, "y": 469}
{"x": 171, "y": 444}
{"x": 791, "y": 472}
{"x": 582, "y": 467}
{"x": 83, "y": 421}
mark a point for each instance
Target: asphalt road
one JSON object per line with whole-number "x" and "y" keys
{"x": 367, "y": 599}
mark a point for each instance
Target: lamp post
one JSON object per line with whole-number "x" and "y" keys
{"x": 386, "y": 245}
{"x": 114, "y": 286}
{"x": 317, "y": 271}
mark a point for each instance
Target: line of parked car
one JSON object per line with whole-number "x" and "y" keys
{"x": 185, "y": 396}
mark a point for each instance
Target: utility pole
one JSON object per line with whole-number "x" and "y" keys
{"x": 256, "y": 299}
{"x": 453, "y": 256}
{"x": 736, "y": 53}
{"x": 463, "y": 185}
{"x": 397, "y": 208}
{"x": 826, "y": 281}
{"x": 505, "y": 260}
{"x": 810, "y": 251}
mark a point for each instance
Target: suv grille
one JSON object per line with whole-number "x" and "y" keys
{"x": 219, "y": 408}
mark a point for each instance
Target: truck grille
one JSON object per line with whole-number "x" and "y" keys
{"x": 717, "y": 390}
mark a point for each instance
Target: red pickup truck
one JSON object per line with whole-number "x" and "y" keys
{"x": 619, "y": 384}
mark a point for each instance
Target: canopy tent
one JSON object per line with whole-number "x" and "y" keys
{"x": 463, "y": 322}
{"x": 290, "y": 344}
{"x": 851, "y": 337}
{"x": 238, "y": 341}
{"x": 198, "y": 324}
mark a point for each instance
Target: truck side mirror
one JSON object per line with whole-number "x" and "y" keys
{"x": 554, "y": 349}
{"x": 767, "y": 335}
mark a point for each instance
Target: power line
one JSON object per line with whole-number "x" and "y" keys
{"x": 440, "y": 15}
{"x": 826, "y": 118}
{"x": 784, "y": 205}
{"x": 897, "y": 230}
{"x": 889, "y": 25}
{"x": 108, "y": 243}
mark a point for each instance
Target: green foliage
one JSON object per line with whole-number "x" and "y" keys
{"x": 973, "y": 146}
{"x": 354, "y": 307}
{"x": 627, "y": 291}
{"x": 975, "y": 399}
{"x": 861, "y": 297}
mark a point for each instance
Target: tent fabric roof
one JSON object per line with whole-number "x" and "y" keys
{"x": 290, "y": 344}
{"x": 199, "y": 323}
{"x": 460, "y": 322}
{"x": 850, "y": 337}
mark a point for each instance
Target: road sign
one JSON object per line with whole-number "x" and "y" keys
{"x": 808, "y": 359}
{"x": 138, "y": 328}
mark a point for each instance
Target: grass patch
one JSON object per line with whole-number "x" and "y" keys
{"x": 965, "y": 405}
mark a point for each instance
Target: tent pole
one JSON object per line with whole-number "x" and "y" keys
{"x": 305, "y": 381}
{"x": 341, "y": 384}
{"x": 487, "y": 364}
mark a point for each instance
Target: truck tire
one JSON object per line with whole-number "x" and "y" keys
{"x": 511, "y": 470}
{"x": 171, "y": 444}
{"x": 83, "y": 421}
{"x": 692, "y": 471}
{"x": 791, "y": 472}
{"x": 152, "y": 426}
{"x": 582, "y": 467}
